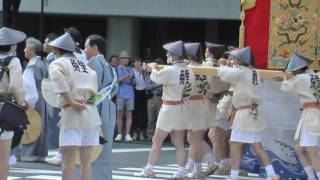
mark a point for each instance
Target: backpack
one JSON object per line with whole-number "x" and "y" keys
{"x": 4, "y": 65}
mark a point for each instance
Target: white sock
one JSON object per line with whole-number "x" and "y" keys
{"x": 58, "y": 156}
{"x": 217, "y": 163}
{"x": 190, "y": 164}
{"x": 181, "y": 170}
{"x": 198, "y": 166}
{"x": 318, "y": 174}
{"x": 208, "y": 157}
{"x": 309, "y": 172}
{"x": 225, "y": 162}
{"x": 270, "y": 170}
{"x": 149, "y": 167}
{"x": 234, "y": 174}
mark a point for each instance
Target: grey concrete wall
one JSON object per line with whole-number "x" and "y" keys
{"x": 123, "y": 34}
{"x": 202, "y": 9}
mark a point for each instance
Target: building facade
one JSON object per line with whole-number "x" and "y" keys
{"x": 138, "y": 26}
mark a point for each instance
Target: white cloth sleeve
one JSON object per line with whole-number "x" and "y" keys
{"x": 29, "y": 85}
{"x": 229, "y": 74}
{"x": 160, "y": 77}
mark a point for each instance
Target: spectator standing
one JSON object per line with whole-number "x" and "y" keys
{"x": 114, "y": 61}
{"x": 125, "y": 96}
{"x": 47, "y": 49}
{"x": 140, "y": 121}
{"x": 153, "y": 93}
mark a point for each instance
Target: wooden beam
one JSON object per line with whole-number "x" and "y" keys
{"x": 213, "y": 71}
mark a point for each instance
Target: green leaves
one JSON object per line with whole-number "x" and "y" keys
{"x": 317, "y": 91}
{"x": 204, "y": 86}
{"x": 186, "y": 92}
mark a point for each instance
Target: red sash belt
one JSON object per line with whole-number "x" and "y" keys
{"x": 195, "y": 97}
{"x": 234, "y": 110}
{"x": 309, "y": 105}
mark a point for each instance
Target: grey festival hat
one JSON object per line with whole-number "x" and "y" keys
{"x": 297, "y": 62}
{"x": 10, "y": 36}
{"x": 216, "y": 49}
{"x": 192, "y": 48}
{"x": 64, "y": 42}
{"x": 242, "y": 54}
{"x": 174, "y": 47}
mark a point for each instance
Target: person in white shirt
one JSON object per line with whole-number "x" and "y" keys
{"x": 140, "y": 121}
{"x": 247, "y": 123}
{"x": 298, "y": 80}
{"x": 33, "y": 74}
{"x": 13, "y": 79}
{"x": 213, "y": 53}
{"x": 173, "y": 119}
{"x": 76, "y": 36}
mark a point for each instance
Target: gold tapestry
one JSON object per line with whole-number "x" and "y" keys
{"x": 294, "y": 27}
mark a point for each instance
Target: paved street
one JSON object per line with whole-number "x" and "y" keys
{"x": 127, "y": 159}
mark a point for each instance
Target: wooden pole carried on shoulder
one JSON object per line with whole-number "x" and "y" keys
{"x": 213, "y": 71}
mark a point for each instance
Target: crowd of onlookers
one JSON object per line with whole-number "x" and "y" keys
{"x": 138, "y": 99}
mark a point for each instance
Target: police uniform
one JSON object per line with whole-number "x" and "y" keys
{"x": 304, "y": 86}
{"x": 69, "y": 75}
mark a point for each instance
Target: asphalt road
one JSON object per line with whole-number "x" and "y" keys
{"x": 127, "y": 158}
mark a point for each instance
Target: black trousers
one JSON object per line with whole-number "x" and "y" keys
{"x": 140, "y": 116}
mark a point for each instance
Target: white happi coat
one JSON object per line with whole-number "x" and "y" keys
{"x": 247, "y": 90}
{"x": 174, "y": 78}
{"x": 302, "y": 86}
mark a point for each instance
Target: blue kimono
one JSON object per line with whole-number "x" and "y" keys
{"x": 101, "y": 168}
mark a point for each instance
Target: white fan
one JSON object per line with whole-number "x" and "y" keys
{"x": 49, "y": 95}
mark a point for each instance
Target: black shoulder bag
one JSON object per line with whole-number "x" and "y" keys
{"x": 12, "y": 116}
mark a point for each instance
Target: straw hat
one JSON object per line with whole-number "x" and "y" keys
{"x": 64, "y": 42}
{"x": 33, "y": 130}
{"x": 10, "y": 36}
{"x": 96, "y": 151}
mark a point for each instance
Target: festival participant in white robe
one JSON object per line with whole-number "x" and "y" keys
{"x": 213, "y": 53}
{"x": 177, "y": 83}
{"x": 76, "y": 36}
{"x": 222, "y": 128}
{"x": 217, "y": 88}
{"x": 10, "y": 87}
{"x": 247, "y": 122}
{"x": 298, "y": 80}
{"x": 199, "y": 107}
{"x": 79, "y": 125}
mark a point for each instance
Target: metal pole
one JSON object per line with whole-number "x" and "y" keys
{"x": 41, "y": 35}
